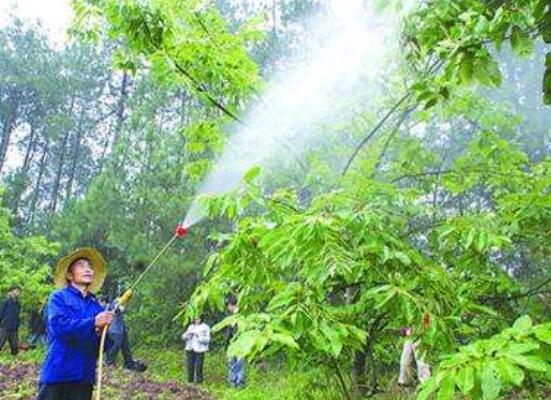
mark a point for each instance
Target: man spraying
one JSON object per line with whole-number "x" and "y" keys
{"x": 74, "y": 319}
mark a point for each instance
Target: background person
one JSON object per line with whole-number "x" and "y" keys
{"x": 37, "y": 326}
{"x": 236, "y": 366}
{"x": 410, "y": 352}
{"x": 10, "y": 320}
{"x": 197, "y": 338}
{"x": 118, "y": 342}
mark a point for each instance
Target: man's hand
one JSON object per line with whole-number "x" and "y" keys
{"x": 104, "y": 318}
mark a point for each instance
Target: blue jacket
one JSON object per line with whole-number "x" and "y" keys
{"x": 72, "y": 340}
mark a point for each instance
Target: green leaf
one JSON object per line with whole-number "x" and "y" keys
{"x": 402, "y": 257}
{"x": 466, "y": 71}
{"x": 487, "y": 72}
{"x": 211, "y": 263}
{"x": 428, "y": 387}
{"x": 520, "y": 348}
{"x": 281, "y": 300}
{"x": 545, "y": 27}
{"x": 533, "y": 363}
{"x": 510, "y": 372}
{"x": 244, "y": 344}
{"x": 481, "y": 241}
{"x": 336, "y": 348}
{"x": 285, "y": 339}
{"x": 333, "y": 338}
{"x": 465, "y": 379}
{"x": 431, "y": 103}
{"x": 546, "y": 89}
{"x": 231, "y": 320}
{"x": 251, "y": 174}
{"x": 490, "y": 382}
{"x": 358, "y": 333}
{"x": 494, "y": 73}
{"x": 318, "y": 340}
{"x": 386, "y": 299}
{"x": 446, "y": 232}
{"x": 521, "y": 42}
{"x": 470, "y": 238}
{"x": 543, "y": 333}
{"x": 447, "y": 388}
{"x": 482, "y": 25}
{"x": 523, "y": 324}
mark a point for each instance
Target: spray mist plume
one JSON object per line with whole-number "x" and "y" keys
{"x": 347, "y": 49}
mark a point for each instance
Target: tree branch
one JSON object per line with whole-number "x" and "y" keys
{"x": 401, "y": 120}
{"x": 374, "y": 131}
{"x": 201, "y": 89}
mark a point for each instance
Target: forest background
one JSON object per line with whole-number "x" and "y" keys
{"x": 426, "y": 203}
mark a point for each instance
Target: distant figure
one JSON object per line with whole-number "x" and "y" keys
{"x": 236, "y": 366}
{"x": 197, "y": 338}
{"x": 409, "y": 353}
{"x": 118, "y": 338}
{"x": 37, "y": 327}
{"x": 10, "y": 319}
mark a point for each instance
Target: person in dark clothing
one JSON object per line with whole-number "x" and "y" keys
{"x": 118, "y": 341}
{"x": 73, "y": 323}
{"x": 10, "y": 319}
{"x": 37, "y": 327}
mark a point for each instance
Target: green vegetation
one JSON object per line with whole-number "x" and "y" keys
{"x": 428, "y": 205}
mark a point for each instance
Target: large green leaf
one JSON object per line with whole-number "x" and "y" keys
{"x": 245, "y": 343}
{"x": 447, "y": 388}
{"x": 465, "y": 379}
{"x": 510, "y": 372}
{"x": 490, "y": 381}
{"x": 521, "y": 42}
{"x": 285, "y": 339}
{"x": 533, "y": 363}
{"x": 523, "y": 324}
{"x": 543, "y": 333}
{"x": 428, "y": 388}
{"x": 519, "y": 348}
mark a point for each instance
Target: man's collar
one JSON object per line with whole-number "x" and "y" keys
{"x": 73, "y": 289}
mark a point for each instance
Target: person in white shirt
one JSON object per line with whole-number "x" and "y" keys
{"x": 409, "y": 353}
{"x": 197, "y": 338}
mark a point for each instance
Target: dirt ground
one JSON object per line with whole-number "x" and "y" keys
{"x": 19, "y": 382}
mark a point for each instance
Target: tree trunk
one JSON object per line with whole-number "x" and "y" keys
{"x": 61, "y": 164}
{"x": 74, "y": 163}
{"x": 119, "y": 119}
{"x": 23, "y": 173}
{"x": 41, "y": 169}
{"x": 121, "y": 106}
{"x": 365, "y": 365}
{"x": 360, "y": 377}
{"x": 9, "y": 126}
{"x": 29, "y": 152}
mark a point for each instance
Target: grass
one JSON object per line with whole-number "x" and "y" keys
{"x": 264, "y": 381}
{"x": 166, "y": 380}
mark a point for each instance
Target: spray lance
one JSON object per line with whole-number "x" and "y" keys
{"x": 179, "y": 232}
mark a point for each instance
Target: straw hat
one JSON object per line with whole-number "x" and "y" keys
{"x": 96, "y": 260}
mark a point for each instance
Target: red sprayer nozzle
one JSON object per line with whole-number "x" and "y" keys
{"x": 180, "y": 231}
